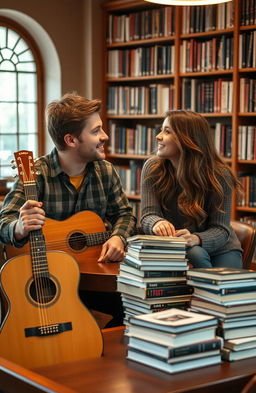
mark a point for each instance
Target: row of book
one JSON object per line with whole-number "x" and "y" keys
{"x": 247, "y": 143}
{"x": 247, "y": 49}
{"x": 247, "y": 95}
{"x": 223, "y": 139}
{"x": 230, "y": 295}
{"x": 248, "y": 197}
{"x": 141, "y": 25}
{"x": 207, "y": 96}
{"x": 137, "y": 100}
{"x": 207, "y": 55}
{"x": 141, "y": 61}
{"x": 201, "y": 19}
{"x": 140, "y": 140}
{"x": 130, "y": 177}
{"x": 248, "y": 12}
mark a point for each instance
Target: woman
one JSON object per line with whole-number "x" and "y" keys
{"x": 187, "y": 191}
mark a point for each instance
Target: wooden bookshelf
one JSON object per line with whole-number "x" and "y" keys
{"x": 227, "y": 32}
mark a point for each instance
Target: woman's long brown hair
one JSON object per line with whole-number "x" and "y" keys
{"x": 199, "y": 170}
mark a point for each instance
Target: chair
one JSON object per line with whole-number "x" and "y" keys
{"x": 250, "y": 387}
{"x": 247, "y": 235}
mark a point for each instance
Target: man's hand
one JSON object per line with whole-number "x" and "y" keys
{"x": 163, "y": 228}
{"x": 31, "y": 218}
{"x": 112, "y": 250}
{"x": 192, "y": 240}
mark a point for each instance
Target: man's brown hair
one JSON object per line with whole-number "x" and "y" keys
{"x": 68, "y": 116}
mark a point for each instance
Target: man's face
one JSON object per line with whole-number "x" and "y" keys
{"x": 91, "y": 141}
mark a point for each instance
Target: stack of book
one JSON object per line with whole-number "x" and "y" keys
{"x": 153, "y": 275}
{"x": 174, "y": 340}
{"x": 230, "y": 295}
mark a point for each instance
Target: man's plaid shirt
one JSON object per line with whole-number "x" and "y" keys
{"x": 101, "y": 192}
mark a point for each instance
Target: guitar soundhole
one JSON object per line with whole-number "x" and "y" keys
{"x": 77, "y": 241}
{"x": 42, "y": 290}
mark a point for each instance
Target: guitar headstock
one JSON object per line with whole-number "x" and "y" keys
{"x": 25, "y": 165}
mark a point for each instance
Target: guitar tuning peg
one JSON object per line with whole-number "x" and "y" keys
{"x": 13, "y": 166}
{"x": 38, "y": 173}
{"x": 12, "y": 161}
{"x": 14, "y": 176}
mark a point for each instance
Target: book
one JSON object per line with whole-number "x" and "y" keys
{"x": 174, "y": 321}
{"x": 154, "y": 302}
{"x": 159, "y": 274}
{"x": 139, "y": 309}
{"x": 229, "y": 355}
{"x": 239, "y": 332}
{"x": 139, "y": 279}
{"x": 163, "y": 266}
{"x": 235, "y": 285}
{"x": 149, "y": 284}
{"x": 249, "y": 320}
{"x": 172, "y": 368}
{"x": 241, "y": 344}
{"x": 225, "y": 302}
{"x": 220, "y": 314}
{"x": 156, "y": 255}
{"x": 155, "y": 240}
{"x": 172, "y": 261}
{"x": 175, "y": 340}
{"x": 223, "y": 273}
{"x": 227, "y": 309}
{"x": 145, "y": 293}
{"x": 175, "y": 353}
{"x": 222, "y": 297}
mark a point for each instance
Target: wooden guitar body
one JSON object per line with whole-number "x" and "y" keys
{"x": 76, "y": 235}
{"x": 31, "y": 333}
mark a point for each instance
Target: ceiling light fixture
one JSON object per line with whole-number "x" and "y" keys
{"x": 187, "y": 2}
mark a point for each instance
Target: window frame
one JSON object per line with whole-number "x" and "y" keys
{"x": 13, "y": 25}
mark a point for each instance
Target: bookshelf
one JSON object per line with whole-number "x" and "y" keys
{"x": 199, "y": 58}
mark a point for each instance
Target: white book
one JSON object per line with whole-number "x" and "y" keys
{"x": 240, "y": 344}
{"x": 172, "y": 368}
{"x": 227, "y": 354}
{"x": 174, "y": 321}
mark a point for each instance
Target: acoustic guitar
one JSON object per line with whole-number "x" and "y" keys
{"x": 46, "y": 322}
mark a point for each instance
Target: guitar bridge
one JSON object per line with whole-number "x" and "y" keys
{"x": 48, "y": 330}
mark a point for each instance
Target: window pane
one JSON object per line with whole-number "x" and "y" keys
{"x": 12, "y": 38}
{"x": 27, "y": 87}
{"x": 7, "y": 171}
{"x": 6, "y": 53}
{"x": 26, "y": 67}
{"x": 28, "y": 142}
{"x": 8, "y": 119}
{"x": 8, "y": 87}
{"x": 7, "y": 65}
{"x": 26, "y": 56}
{"x": 27, "y": 118}
{"x": 8, "y": 145}
{"x": 2, "y": 36}
{"x": 21, "y": 46}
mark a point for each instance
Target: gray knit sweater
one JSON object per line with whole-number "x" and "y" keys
{"x": 216, "y": 234}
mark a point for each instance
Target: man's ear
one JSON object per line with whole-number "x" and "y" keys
{"x": 70, "y": 140}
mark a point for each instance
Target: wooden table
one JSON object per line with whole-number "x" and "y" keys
{"x": 113, "y": 373}
{"x": 98, "y": 276}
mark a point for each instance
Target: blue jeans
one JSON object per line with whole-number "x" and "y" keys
{"x": 200, "y": 258}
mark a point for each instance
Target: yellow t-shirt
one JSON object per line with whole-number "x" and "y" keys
{"x": 77, "y": 181}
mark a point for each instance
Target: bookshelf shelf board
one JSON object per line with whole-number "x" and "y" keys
{"x": 246, "y": 70}
{"x": 211, "y": 33}
{"x": 141, "y": 42}
{"x": 206, "y": 73}
{"x": 246, "y": 209}
{"x": 216, "y": 114}
{"x": 247, "y": 162}
{"x": 135, "y": 197}
{"x": 251, "y": 114}
{"x": 139, "y": 78}
{"x": 249, "y": 27}
{"x": 158, "y": 116}
{"x": 129, "y": 156}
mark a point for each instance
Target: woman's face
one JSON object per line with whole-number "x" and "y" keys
{"x": 166, "y": 143}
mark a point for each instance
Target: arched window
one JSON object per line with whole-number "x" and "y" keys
{"x": 21, "y": 90}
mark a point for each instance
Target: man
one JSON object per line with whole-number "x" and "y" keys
{"x": 73, "y": 177}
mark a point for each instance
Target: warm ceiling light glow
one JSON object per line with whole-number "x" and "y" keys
{"x": 187, "y": 2}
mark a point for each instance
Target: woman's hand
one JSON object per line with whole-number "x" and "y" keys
{"x": 163, "y": 228}
{"x": 192, "y": 240}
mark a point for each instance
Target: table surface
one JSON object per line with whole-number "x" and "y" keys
{"x": 113, "y": 373}
{"x": 98, "y": 276}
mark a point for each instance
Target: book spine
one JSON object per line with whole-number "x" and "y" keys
{"x": 196, "y": 348}
{"x": 168, "y": 291}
